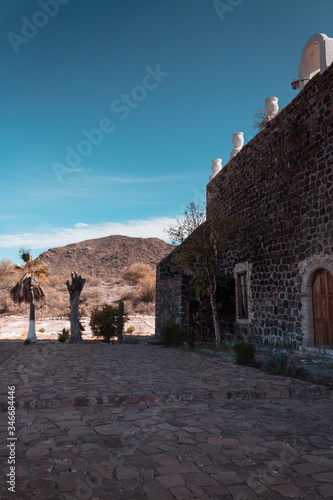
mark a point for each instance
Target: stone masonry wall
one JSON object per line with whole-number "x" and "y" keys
{"x": 280, "y": 185}
{"x": 175, "y": 300}
{"x": 172, "y": 295}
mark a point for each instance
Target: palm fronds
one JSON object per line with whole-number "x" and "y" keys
{"x": 25, "y": 255}
{"x": 27, "y": 289}
{"x": 32, "y": 266}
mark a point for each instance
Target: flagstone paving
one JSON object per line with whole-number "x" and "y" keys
{"x": 142, "y": 422}
{"x": 52, "y": 374}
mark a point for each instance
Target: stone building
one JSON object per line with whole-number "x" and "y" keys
{"x": 280, "y": 186}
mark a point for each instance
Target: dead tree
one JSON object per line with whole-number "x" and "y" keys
{"x": 75, "y": 289}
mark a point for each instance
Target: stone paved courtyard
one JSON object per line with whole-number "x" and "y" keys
{"x": 134, "y": 422}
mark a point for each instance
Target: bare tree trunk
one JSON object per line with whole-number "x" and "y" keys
{"x": 120, "y": 322}
{"x": 212, "y": 298}
{"x": 217, "y": 328}
{"x": 32, "y": 329}
{"x": 75, "y": 289}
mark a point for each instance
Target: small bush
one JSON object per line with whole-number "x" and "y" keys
{"x": 57, "y": 280}
{"x": 41, "y": 330}
{"x": 191, "y": 341}
{"x": 27, "y": 342}
{"x": 103, "y": 322}
{"x": 135, "y": 272}
{"x": 147, "y": 288}
{"x": 146, "y": 308}
{"x": 279, "y": 364}
{"x": 171, "y": 333}
{"x": 93, "y": 281}
{"x": 276, "y": 364}
{"x": 130, "y": 329}
{"x": 6, "y": 267}
{"x": 128, "y": 295}
{"x": 128, "y": 306}
{"x": 64, "y": 335}
{"x": 245, "y": 354}
{"x": 92, "y": 296}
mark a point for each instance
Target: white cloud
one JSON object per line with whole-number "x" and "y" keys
{"x": 138, "y": 180}
{"x": 150, "y": 228}
{"x": 81, "y": 224}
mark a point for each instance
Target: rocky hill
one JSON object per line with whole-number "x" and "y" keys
{"x": 105, "y": 258}
{"x": 102, "y": 262}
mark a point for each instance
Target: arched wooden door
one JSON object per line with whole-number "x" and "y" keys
{"x": 322, "y": 292}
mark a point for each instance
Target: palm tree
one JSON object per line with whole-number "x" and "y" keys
{"x": 28, "y": 288}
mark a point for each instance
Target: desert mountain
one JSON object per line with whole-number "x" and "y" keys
{"x": 102, "y": 262}
{"x": 105, "y": 257}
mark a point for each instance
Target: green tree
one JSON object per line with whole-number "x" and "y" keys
{"x": 105, "y": 320}
{"x": 28, "y": 288}
{"x": 201, "y": 253}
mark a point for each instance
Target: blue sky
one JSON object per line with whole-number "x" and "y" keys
{"x": 112, "y": 110}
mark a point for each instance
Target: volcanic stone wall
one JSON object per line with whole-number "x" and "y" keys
{"x": 280, "y": 186}
{"x": 176, "y": 300}
{"x": 172, "y": 295}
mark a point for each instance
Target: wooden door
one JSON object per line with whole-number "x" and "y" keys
{"x": 322, "y": 292}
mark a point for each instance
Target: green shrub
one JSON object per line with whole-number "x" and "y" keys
{"x": 64, "y": 335}
{"x": 41, "y": 330}
{"x": 245, "y": 354}
{"x": 27, "y": 342}
{"x": 279, "y": 364}
{"x": 103, "y": 322}
{"x": 191, "y": 342}
{"x": 276, "y": 364}
{"x": 130, "y": 329}
{"x": 171, "y": 333}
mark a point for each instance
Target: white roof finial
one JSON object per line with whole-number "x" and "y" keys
{"x": 237, "y": 142}
{"x": 216, "y": 167}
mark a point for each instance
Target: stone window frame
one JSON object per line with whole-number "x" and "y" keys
{"x": 243, "y": 309}
{"x": 308, "y": 269}
{"x": 242, "y": 268}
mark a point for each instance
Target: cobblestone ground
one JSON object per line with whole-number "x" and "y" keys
{"x": 140, "y": 422}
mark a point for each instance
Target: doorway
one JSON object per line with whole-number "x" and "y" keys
{"x": 322, "y": 293}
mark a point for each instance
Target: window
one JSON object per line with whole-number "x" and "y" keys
{"x": 242, "y": 296}
{"x": 244, "y": 303}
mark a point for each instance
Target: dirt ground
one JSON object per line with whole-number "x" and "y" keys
{"x": 16, "y": 328}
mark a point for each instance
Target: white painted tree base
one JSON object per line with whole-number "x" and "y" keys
{"x": 32, "y": 332}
